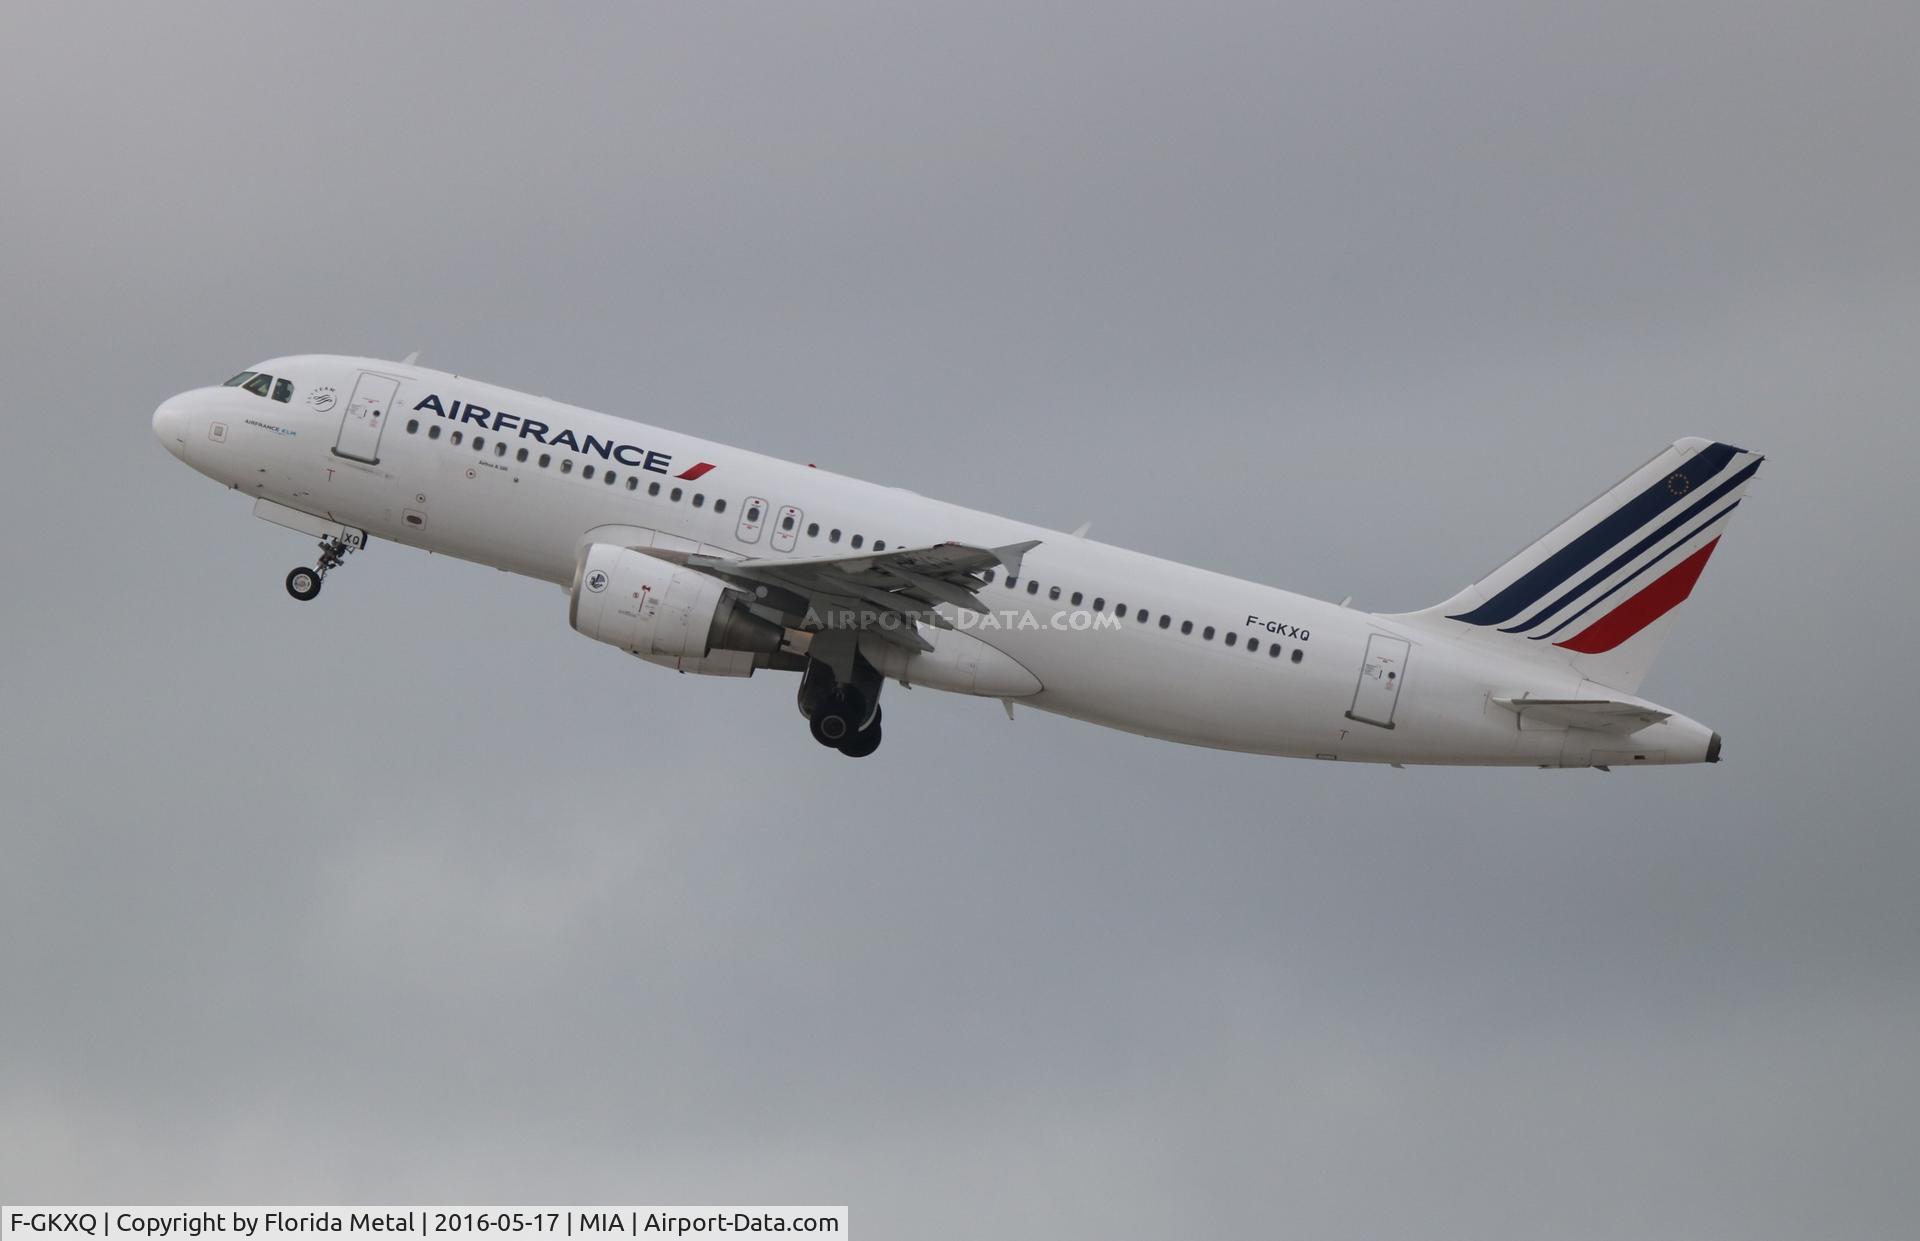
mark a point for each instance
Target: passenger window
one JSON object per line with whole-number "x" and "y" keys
{"x": 834, "y": 537}
{"x": 653, "y": 489}
{"x": 1120, "y": 610}
{"x": 1186, "y": 627}
{"x": 1165, "y": 620}
{"x": 856, "y": 540}
{"x": 719, "y": 506}
{"x": 1033, "y": 586}
{"x": 566, "y": 465}
{"x": 433, "y": 432}
{"x": 586, "y": 471}
{"x": 413, "y": 426}
{"x": 500, "y": 448}
{"x": 699, "y": 499}
{"x": 879, "y": 545}
{"x": 987, "y": 577}
{"x": 1099, "y": 604}
{"x": 612, "y": 478}
{"x": 520, "y": 456}
{"x": 813, "y": 529}
{"x": 1297, "y": 655}
{"x": 283, "y": 390}
{"x": 633, "y": 483}
{"x": 1274, "y": 650}
{"x": 479, "y": 442}
{"x": 1144, "y": 615}
{"x": 1253, "y": 644}
{"x": 1207, "y": 633}
{"x": 546, "y": 459}
{"x": 455, "y": 438}
{"x": 1053, "y": 592}
{"x": 1012, "y": 581}
{"x": 674, "y": 495}
{"x": 1232, "y": 637}
{"x": 1077, "y": 597}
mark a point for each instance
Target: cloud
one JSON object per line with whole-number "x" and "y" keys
{"x": 413, "y": 893}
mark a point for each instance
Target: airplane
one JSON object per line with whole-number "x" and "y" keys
{"x": 716, "y": 561}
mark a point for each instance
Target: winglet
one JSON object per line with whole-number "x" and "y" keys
{"x": 1080, "y": 531}
{"x": 1012, "y": 554}
{"x": 411, "y": 358}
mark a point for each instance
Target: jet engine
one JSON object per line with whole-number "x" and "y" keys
{"x": 666, "y": 613}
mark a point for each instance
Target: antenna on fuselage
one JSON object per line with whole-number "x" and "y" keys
{"x": 411, "y": 358}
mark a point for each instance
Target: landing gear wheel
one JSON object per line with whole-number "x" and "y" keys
{"x": 837, "y": 717}
{"x": 303, "y": 584}
{"x": 862, "y": 744}
{"x": 830, "y": 728}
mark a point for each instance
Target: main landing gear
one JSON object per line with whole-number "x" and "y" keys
{"x": 304, "y": 583}
{"x": 843, "y": 717}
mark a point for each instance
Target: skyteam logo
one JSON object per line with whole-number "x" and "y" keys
{"x": 540, "y": 433}
{"x": 596, "y": 581}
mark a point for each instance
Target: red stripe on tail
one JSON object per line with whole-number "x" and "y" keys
{"x": 1664, "y": 594}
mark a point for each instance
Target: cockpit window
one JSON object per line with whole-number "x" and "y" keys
{"x": 259, "y": 385}
{"x": 237, "y": 380}
{"x": 283, "y": 390}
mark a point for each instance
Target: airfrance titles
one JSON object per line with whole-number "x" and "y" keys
{"x": 541, "y": 433}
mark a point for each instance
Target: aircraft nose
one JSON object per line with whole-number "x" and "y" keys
{"x": 170, "y": 425}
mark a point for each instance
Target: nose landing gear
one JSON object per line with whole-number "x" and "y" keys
{"x": 304, "y": 583}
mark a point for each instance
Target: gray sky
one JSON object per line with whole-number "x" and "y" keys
{"x": 414, "y": 894}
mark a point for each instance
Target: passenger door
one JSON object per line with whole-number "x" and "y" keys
{"x": 365, "y": 417}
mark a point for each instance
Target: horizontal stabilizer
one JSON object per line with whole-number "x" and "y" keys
{"x": 1601, "y": 714}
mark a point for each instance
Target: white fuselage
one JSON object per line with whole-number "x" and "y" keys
{"x": 1142, "y": 674}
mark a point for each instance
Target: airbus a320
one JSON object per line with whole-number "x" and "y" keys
{"x": 716, "y": 561}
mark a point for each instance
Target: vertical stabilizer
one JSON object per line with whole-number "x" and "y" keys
{"x": 1601, "y": 589}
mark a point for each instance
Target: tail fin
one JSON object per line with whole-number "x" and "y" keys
{"x": 1601, "y": 587}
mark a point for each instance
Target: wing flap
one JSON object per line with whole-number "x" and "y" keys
{"x": 888, "y": 593}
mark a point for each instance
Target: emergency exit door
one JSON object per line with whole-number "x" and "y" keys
{"x": 786, "y": 528}
{"x": 1381, "y": 676}
{"x": 753, "y": 515}
{"x": 366, "y": 417}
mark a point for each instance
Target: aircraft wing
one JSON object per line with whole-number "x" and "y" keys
{"x": 1600, "y": 714}
{"x": 887, "y": 593}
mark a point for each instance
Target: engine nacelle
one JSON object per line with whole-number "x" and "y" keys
{"x": 664, "y": 612}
